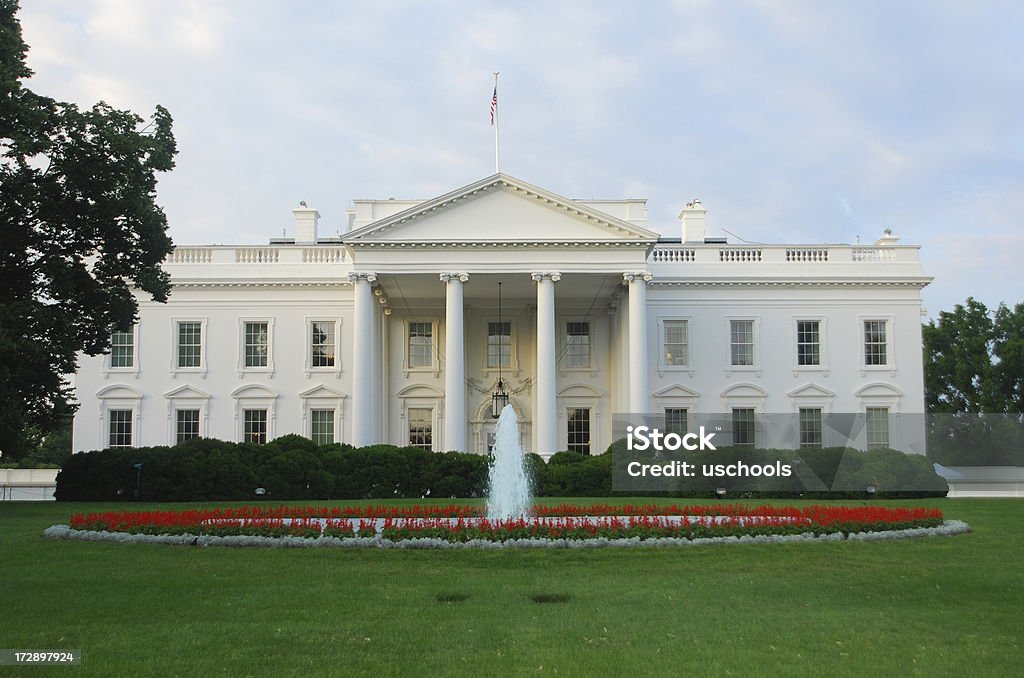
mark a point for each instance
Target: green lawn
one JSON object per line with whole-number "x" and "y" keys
{"x": 936, "y": 606}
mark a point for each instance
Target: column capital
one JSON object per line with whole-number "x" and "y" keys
{"x": 461, "y": 277}
{"x": 637, "y": 275}
{"x": 537, "y": 276}
{"x": 361, "y": 275}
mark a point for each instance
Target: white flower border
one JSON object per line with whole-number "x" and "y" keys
{"x": 948, "y": 528}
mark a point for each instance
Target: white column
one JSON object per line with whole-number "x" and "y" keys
{"x": 639, "y": 389}
{"x": 375, "y": 393}
{"x": 454, "y": 364}
{"x": 545, "y": 387}
{"x": 385, "y": 377}
{"x": 362, "y": 364}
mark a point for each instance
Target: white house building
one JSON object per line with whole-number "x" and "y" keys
{"x": 392, "y": 332}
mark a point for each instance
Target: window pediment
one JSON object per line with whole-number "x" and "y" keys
{"x": 676, "y": 391}
{"x": 253, "y": 391}
{"x": 579, "y": 391}
{"x": 119, "y": 391}
{"x": 321, "y": 391}
{"x": 878, "y": 390}
{"x": 185, "y": 391}
{"x": 745, "y": 391}
{"x": 811, "y": 391}
{"x": 420, "y": 391}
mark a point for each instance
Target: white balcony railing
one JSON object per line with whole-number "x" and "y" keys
{"x": 795, "y": 255}
{"x": 256, "y": 255}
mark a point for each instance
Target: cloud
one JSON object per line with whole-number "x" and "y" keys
{"x": 793, "y": 121}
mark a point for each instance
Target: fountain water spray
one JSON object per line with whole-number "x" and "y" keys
{"x": 508, "y": 485}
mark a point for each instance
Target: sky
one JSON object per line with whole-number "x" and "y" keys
{"x": 792, "y": 121}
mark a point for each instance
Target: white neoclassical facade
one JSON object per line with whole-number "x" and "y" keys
{"x": 393, "y": 331}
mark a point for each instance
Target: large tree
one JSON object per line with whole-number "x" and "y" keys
{"x": 974, "y": 359}
{"x": 79, "y": 231}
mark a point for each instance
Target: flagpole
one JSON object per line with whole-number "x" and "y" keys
{"x": 497, "y": 147}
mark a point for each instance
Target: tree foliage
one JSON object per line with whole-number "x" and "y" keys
{"x": 974, "y": 359}
{"x": 80, "y": 232}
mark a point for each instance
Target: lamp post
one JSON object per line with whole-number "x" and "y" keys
{"x": 138, "y": 481}
{"x": 500, "y": 396}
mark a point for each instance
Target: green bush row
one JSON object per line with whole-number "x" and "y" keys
{"x": 290, "y": 467}
{"x": 293, "y": 467}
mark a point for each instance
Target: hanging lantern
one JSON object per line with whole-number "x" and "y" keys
{"x": 498, "y": 399}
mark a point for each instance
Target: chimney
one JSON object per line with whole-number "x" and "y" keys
{"x": 692, "y": 219}
{"x": 305, "y": 224}
{"x": 887, "y": 239}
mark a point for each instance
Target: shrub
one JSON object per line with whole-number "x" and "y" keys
{"x": 294, "y": 468}
{"x": 570, "y": 474}
{"x": 290, "y": 467}
{"x": 566, "y": 457}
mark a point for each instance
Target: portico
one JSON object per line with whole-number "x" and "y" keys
{"x": 563, "y": 260}
{"x": 469, "y": 349}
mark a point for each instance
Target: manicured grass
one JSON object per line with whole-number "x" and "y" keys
{"x": 935, "y": 606}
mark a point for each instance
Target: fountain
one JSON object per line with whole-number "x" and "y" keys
{"x": 508, "y": 494}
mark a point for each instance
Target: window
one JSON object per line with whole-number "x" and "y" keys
{"x": 322, "y": 343}
{"x": 875, "y": 347}
{"x": 256, "y": 344}
{"x": 577, "y": 344}
{"x": 675, "y": 420}
{"x": 186, "y": 425}
{"x": 579, "y": 430}
{"x": 877, "y": 427}
{"x": 322, "y": 426}
{"x": 743, "y": 427}
{"x": 499, "y": 344}
{"x": 190, "y": 342}
{"x": 255, "y": 426}
{"x": 421, "y": 344}
{"x": 742, "y": 342}
{"x": 120, "y": 428}
{"x": 122, "y": 349}
{"x": 810, "y": 427}
{"x": 808, "y": 342}
{"x": 677, "y": 342}
{"x": 421, "y": 427}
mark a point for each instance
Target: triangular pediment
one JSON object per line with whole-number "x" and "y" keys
{"x": 186, "y": 391}
{"x": 321, "y": 391}
{"x": 676, "y": 391}
{"x": 811, "y": 391}
{"x": 497, "y": 209}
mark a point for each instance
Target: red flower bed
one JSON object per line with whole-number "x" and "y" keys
{"x": 464, "y": 523}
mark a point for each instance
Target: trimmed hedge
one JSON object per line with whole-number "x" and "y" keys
{"x": 293, "y": 467}
{"x": 290, "y": 467}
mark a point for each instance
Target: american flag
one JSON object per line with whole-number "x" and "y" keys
{"x": 494, "y": 104}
